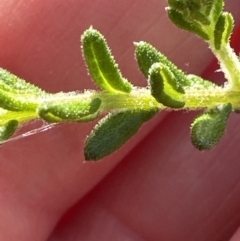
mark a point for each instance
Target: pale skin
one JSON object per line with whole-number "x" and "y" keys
{"x": 163, "y": 189}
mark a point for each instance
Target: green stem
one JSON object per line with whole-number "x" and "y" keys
{"x": 137, "y": 99}
{"x": 229, "y": 63}
{"x": 140, "y": 98}
{"x": 211, "y": 98}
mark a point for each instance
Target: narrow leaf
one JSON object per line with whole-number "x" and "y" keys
{"x": 76, "y": 110}
{"x": 208, "y": 128}
{"x": 147, "y": 55}
{"x": 216, "y": 9}
{"x": 199, "y": 83}
{"x": 8, "y": 129}
{"x": 11, "y": 83}
{"x": 178, "y": 5}
{"x": 200, "y": 17}
{"x": 113, "y": 131}
{"x": 16, "y": 94}
{"x": 195, "y": 16}
{"x": 164, "y": 87}
{"x": 101, "y": 64}
{"x": 17, "y": 102}
{"x": 223, "y": 30}
{"x": 179, "y": 20}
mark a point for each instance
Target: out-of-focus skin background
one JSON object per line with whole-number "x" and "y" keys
{"x": 157, "y": 187}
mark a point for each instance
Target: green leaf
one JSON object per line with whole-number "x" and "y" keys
{"x": 16, "y": 94}
{"x": 11, "y": 83}
{"x": 201, "y": 18}
{"x": 214, "y": 9}
{"x": 113, "y": 131}
{"x": 70, "y": 110}
{"x": 196, "y": 16}
{"x": 17, "y": 102}
{"x": 223, "y": 30}
{"x": 192, "y": 9}
{"x": 199, "y": 83}
{"x": 7, "y": 130}
{"x": 164, "y": 87}
{"x": 176, "y": 4}
{"x": 147, "y": 55}
{"x": 208, "y": 128}
{"x": 101, "y": 64}
{"x": 180, "y": 20}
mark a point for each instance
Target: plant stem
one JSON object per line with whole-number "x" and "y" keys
{"x": 211, "y": 97}
{"x": 230, "y": 65}
{"x": 137, "y": 99}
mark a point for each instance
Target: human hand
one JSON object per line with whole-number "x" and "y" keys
{"x": 163, "y": 189}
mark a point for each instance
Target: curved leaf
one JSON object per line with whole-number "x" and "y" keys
{"x": 208, "y": 128}
{"x": 7, "y": 130}
{"x": 223, "y": 30}
{"x": 70, "y": 110}
{"x": 164, "y": 87}
{"x": 147, "y": 55}
{"x": 101, "y": 64}
{"x": 113, "y": 131}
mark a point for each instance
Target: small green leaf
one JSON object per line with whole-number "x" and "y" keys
{"x": 11, "y": 83}
{"x": 8, "y": 129}
{"x": 223, "y": 29}
{"x": 164, "y": 87}
{"x": 179, "y": 19}
{"x": 199, "y": 83}
{"x": 200, "y": 17}
{"x": 73, "y": 110}
{"x": 195, "y": 16}
{"x": 208, "y": 128}
{"x": 16, "y": 94}
{"x": 147, "y": 55}
{"x": 215, "y": 10}
{"x": 17, "y": 102}
{"x": 113, "y": 131}
{"x": 101, "y": 64}
{"x": 176, "y": 4}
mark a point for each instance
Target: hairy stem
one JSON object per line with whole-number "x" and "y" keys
{"x": 229, "y": 64}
